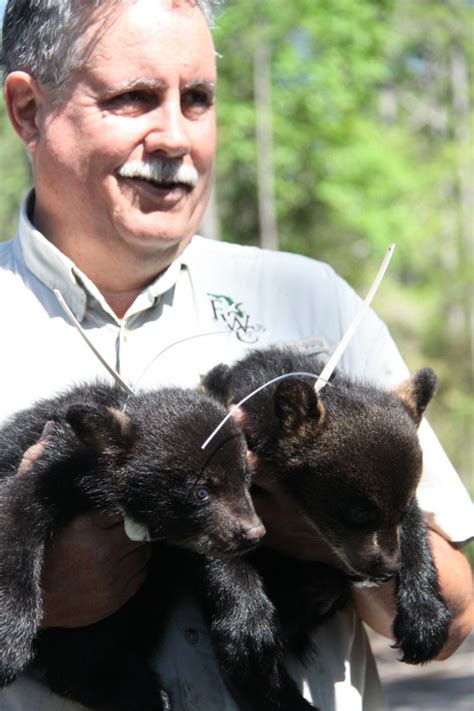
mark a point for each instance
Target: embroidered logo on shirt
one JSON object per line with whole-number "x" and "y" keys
{"x": 231, "y": 313}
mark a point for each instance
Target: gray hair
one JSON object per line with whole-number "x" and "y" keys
{"x": 44, "y": 37}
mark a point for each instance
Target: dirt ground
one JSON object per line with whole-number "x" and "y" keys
{"x": 447, "y": 685}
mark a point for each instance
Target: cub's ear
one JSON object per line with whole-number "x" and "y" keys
{"x": 218, "y": 384}
{"x": 297, "y": 406}
{"x": 100, "y": 427}
{"x": 416, "y": 392}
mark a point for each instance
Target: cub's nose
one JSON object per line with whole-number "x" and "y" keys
{"x": 392, "y": 562}
{"x": 384, "y": 566}
{"x": 392, "y": 567}
{"x": 253, "y": 534}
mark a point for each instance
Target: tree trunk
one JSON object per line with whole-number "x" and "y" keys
{"x": 264, "y": 142}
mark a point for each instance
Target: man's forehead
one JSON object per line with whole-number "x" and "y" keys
{"x": 134, "y": 39}
{"x": 105, "y": 15}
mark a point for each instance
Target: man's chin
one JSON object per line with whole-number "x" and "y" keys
{"x": 148, "y": 244}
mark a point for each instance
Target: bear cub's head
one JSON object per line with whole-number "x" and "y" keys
{"x": 349, "y": 456}
{"x": 149, "y": 461}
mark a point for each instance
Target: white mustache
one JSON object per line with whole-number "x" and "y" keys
{"x": 160, "y": 170}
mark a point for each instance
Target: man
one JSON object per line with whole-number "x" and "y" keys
{"x": 114, "y": 102}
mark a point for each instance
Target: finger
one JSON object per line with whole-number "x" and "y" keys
{"x": 239, "y": 417}
{"x": 132, "y": 586}
{"x": 87, "y": 536}
{"x": 31, "y": 455}
{"x": 118, "y": 544}
{"x": 34, "y": 452}
{"x": 106, "y": 520}
{"x": 138, "y": 556}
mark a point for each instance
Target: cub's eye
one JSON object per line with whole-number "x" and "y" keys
{"x": 248, "y": 479}
{"x": 201, "y": 493}
{"x": 360, "y": 518}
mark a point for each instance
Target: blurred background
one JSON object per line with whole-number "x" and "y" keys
{"x": 345, "y": 125}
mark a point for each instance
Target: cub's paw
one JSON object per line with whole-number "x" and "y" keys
{"x": 421, "y": 634}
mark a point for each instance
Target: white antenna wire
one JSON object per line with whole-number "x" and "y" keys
{"x": 341, "y": 347}
{"x": 254, "y": 392}
{"x": 82, "y": 333}
{"x": 323, "y": 378}
{"x": 118, "y": 379}
{"x": 176, "y": 343}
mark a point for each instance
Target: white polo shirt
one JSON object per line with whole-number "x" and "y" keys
{"x": 212, "y": 305}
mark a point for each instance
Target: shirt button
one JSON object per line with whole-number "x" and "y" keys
{"x": 192, "y": 636}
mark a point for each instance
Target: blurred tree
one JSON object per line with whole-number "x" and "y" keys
{"x": 327, "y": 66}
{"x": 428, "y": 99}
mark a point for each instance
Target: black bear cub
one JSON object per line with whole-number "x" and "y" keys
{"x": 350, "y": 458}
{"x": 145, "y": 461}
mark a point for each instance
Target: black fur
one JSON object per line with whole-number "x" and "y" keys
{"x": 350, "y": 458}
{"x": 147, "y": 463}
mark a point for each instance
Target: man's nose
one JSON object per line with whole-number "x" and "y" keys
{"x": 167, "y": 131}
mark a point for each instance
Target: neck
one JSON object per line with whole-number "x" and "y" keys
{"x": 121, "y": 278}
{"x": 120, "y": 302}
{"x": 120, "y": 271}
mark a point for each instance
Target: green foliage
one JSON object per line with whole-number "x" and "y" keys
{"x": 14, "y": 176}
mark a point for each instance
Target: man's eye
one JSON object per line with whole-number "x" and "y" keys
{"x": 132, "y": 97}
{"x": 130, "y": 100}
{"x": 195, "y": 102}
{"x": 201, "y": 493}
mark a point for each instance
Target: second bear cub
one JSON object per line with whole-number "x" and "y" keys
{"x": 351, "y": 459}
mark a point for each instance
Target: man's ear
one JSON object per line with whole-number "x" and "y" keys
{"x": 23, "y": 98}
{"x": 100, "y": 427}
{"x": 297, "y": 406}
{"x": 416, "y": 392}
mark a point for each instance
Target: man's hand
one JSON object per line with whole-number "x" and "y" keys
{"x": 289, "y": 530}
{"x": 91, "y": 568}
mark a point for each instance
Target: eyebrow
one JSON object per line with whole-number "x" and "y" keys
{"x": 130, "y": 85}
{"x": 159, "y": 85}
{"x": 209, "y": 86}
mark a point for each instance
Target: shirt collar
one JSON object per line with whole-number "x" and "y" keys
{"x": 57, "y": 271}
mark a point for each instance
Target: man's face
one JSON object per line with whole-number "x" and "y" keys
{"x": 146, "y": 92}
